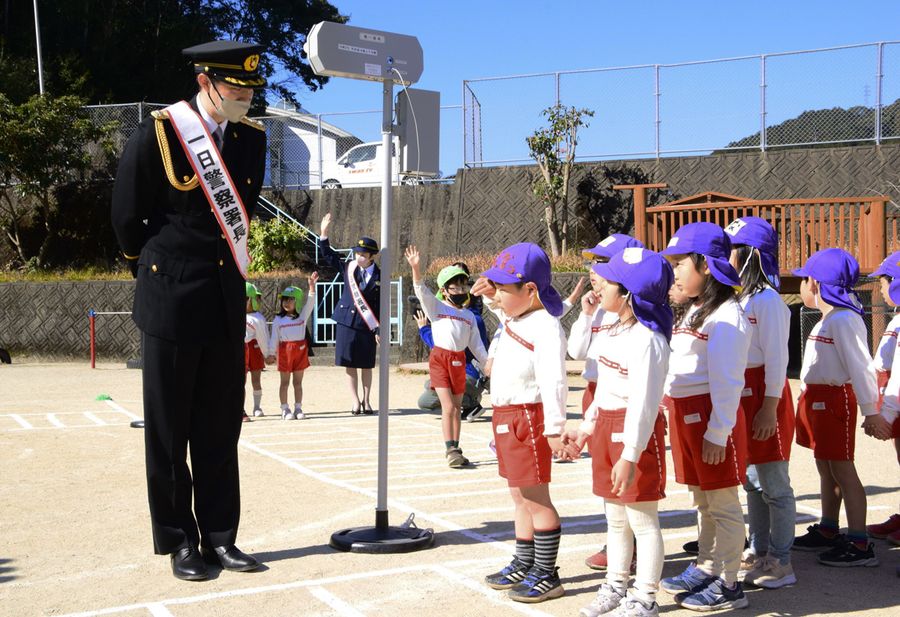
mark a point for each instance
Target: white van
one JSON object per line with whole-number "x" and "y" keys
{"x": 361, "y": 166}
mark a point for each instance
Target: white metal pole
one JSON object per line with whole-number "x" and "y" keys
{"x": 37, "y": 39}
{"x": 384, "y": 317}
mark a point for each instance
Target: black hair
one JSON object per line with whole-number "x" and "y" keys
{"x": 753, "y": 279}
{"x": 459, "y": 278}
{"x": 462, "y": 266}
{"x": 284, "y": 313}
{"x": 713, "y": 295}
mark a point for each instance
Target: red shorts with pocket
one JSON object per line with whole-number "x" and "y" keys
{"x": 778, "y": 446}
{"x": 826, "y": 421}
{"x": 882, "y": 377}
{"x": 606, "y": 446}
{"x": 253, "y": 357}
{"x": 292, "y": 356}
{"x": 447, "y": 369}
{"x": 688, "y": 418}
{"x": 588, "y": 397}
{"x": 523, "y": 454}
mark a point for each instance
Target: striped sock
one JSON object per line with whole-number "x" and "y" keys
{"x": 828, "y": 527}
{"x": 546, "y": 548}
{"x": 525, "y": 551}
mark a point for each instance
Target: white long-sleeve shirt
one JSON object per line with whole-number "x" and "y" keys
{"x": 582, "y": 333}
{"x": 256, "y": 329}
{"x": 632, "y": 364}
{"x": 884, "y": 355}
{"x": 770, "y": 324}
{"x": 287, "y": 328}
{"x": 451, "y": 328}
{"x": 890, "y": 408}
{"x": 530, "y": 366}
{"x": 712, "y": 361}
{"x": 836, "y": 353}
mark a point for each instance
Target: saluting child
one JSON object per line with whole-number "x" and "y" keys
{"x": 625, "y": 428}
{"x": 705, "y": 381}
{"x": 768, "y": 406}
{"x": 288, "y": 344}
{"x": 837, "y": 375}
{"x": 256, "y": 341}
{"x": 528, "y": 393}
{"x": 889, "y": 382}
{"x": 453, "y": 329}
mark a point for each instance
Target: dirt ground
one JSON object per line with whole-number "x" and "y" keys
{"x": 74, "y": 527}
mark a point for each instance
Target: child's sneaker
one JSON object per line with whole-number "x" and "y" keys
{"x": 692, "y": 579}
{"x": 492, "y": 446}
{"x": 245, "y": 417}
{"x": 606, "y": 600}
{"x": 455, "y": 458}
{"x": 894, "y": 538}
{"x": 814, "y": 540}
{"x": 509, "y": 576}
{"x": 298, "y": 414}
{"x": 286, "y": 414}
{"x": 258, "y": 412}
{"x": 885, "y": 529}
{"x": 475, "y": 412}
{"x": 713, "y": 597}
{"x": 598, "y": 560}
{"x": 748, "y": 562}
{"x": 539, "y": 585}
{"x": 848, "y": 555}
{"x": 771, "y": 574}
{"x": 634, "y": 607}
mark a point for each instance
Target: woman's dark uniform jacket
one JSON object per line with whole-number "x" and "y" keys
{"x": 190, "y": 305}
{"x": 354, "y": 344}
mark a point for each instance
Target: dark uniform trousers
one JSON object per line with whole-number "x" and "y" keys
{"x": 190, "y": 307}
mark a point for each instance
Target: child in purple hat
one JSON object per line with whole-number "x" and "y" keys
{"x": 528, "y": 392}
{"x": 705, "y": 381}
{"x": 837, "y": 374}
{"x": 584, "y": 331}
{"x": 768, "y": 406}
{"x": 889, "y": 382}
{"x": 625, "y": 427}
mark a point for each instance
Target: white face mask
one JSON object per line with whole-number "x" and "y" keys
{"x": 233, "y": 111}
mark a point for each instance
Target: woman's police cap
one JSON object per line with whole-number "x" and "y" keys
{"x": 232, "y": 62}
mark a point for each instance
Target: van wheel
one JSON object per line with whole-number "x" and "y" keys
{"x": 411, "y": 181}
{"x": 331, "y": 184}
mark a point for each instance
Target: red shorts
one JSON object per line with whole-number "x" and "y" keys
{"x": 447, "y": 369}
{"x": 292, "y": 356}
{"x": 778, "y": 446}
{"x": 650, "y": 471}
{"x": 826, "y": 421}
{"x": 253, "y": 357}
{"x": 896, "y": 428}
{"x": 882, "y": 377}
{"x": 688, "y": 418}
{"x": 588, "y": 397}
{"x": 523, "y": 454}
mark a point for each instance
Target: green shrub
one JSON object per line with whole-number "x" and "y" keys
{"x": 276, "y": 245}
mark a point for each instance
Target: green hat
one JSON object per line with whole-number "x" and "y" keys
{"x": 253, "y": 294}
{"x": 293, "y": 292}
{"x": 449, "y": 273}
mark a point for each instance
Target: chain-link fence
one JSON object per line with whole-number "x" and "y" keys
{"x": 311, "y": 150}
{"x": 845, "y": 94}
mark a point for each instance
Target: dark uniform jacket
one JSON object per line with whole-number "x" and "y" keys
{"x": 345, "y": 312}
{"x": 189, "y": 289}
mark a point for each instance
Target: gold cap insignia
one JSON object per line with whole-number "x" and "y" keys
{"x": 251, "y": 63}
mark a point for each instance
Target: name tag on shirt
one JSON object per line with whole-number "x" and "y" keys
{"x": 502, "y": 429}
{"x": 617, "y": 437}
{"x": 746, "y": 392}
{"x": 820, "y": 406}
{"x": 693, "y": 418}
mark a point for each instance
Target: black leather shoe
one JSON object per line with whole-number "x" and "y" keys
{"x": 231, "y": 558}
{"x": 187, "y": 564}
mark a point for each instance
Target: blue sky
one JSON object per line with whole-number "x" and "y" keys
{"x": 704, "y": 106}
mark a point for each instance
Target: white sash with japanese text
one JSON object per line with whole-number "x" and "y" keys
{"x": 224, "y": 200}
{"x": 362, "y": 307}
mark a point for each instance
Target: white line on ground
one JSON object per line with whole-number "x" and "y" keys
{"x": 344, "y": 455}
{"x": 508, "y": 508}
{"x": 338, "y": 605}
{"x": 51, "y": 417}
{"x": 495, "y": 491}
{"x": 487, "y": 592}
{"x": 158, "y": 610}
{"x": 121, "y": 409}
{"x": 22, "y": 421}
{"x": 93, "y": 418}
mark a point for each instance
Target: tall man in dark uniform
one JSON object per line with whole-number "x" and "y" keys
{"x": 186, "y": 186}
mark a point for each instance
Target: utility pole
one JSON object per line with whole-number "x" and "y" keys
{"x": 37, "y": 39}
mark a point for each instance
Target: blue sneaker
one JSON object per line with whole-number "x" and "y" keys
{"x": 538, "y": 586}
{"x": 713, "y": 597}
{"x": 692, "y": 579}
{"x": 509, "y": 576}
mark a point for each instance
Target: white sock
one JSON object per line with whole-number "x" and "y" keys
{"x": 257, "y": 397}
{"x": 297, "y": 407}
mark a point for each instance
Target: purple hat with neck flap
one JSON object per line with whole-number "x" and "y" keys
{"x": 526, "y": 263}
{"x": 712, "y": 242}
{"x": 836, "y": 271}
{"x": 612, "y": 244}
{"x": 758, "y": 233}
